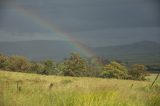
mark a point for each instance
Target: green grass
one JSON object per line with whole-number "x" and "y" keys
{"x": 41, "y": 90}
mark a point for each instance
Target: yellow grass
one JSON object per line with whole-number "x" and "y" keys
{"x": 23, "y": 89}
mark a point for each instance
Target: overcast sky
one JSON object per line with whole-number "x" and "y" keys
{"x": 93, "y": 22}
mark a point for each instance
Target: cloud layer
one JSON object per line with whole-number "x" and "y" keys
{"x": 94, "y": 22}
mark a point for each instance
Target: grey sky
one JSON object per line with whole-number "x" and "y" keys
{"x": 94, "y": 22}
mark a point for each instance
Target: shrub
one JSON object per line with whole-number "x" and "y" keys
{"x": 94, "y": 67}
{"x": 138, "y": 72}
{"x": 37, "y": 68}
{"x": 115, "y": 70}
{"x": 4, "y": 63}
{"x": 75, "y": 65}
{"x": 19, "y": 63}
{"x": 49, "y": 67}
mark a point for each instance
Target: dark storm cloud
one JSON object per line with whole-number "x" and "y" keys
{"x": 119, "y": 36}
{"x": 85, "y": 19}
{"x": 2, "y": 3}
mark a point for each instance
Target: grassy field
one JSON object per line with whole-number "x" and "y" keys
{"x": 22, "y": 89}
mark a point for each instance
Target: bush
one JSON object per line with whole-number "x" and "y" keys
{"x": 37, "y": 68}
{"x": 4, "y": 63}
{"x": 75, "y": 66}
{"x": 114, "y": 70}
{"x": 19, "y": 63}
{"x": 138, "y": 72}
{"x": 94, "y": 67}
{"x": 50, "y": 68}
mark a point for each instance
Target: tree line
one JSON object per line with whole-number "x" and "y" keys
{"x": 76, "y": 66}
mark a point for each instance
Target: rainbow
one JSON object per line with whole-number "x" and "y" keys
{"x": 53, "y": 29}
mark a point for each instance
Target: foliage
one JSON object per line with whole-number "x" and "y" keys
{"x": 75, "y": 65}
{"x": 94, "y": 67}
{"x": 60, "y": 68}
{"x": 37, "y": 68}
{"x": 48, "y": 67}
{"x": 19, "y": 63}
{"x": 138, "y": 71}
{"x": 4, "y": 63}
{"x": 114, "y": 70}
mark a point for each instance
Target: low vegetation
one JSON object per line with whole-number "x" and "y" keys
{"x": 76, "y": 66}
{"x": 117, "y": 83}
{"x": 24, "y": 89}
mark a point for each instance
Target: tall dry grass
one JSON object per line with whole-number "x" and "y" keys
{"x": 41, "y": 90}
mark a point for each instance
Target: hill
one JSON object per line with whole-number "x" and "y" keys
{"x": 146, "y": 52}
{"x": 38, "y": 49}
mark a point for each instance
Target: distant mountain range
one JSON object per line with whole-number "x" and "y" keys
{"x": 38, "y": 49}
{"x": 146, "y": 52}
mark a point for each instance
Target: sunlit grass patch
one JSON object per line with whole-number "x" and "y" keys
{"x": 41, "y": 90}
